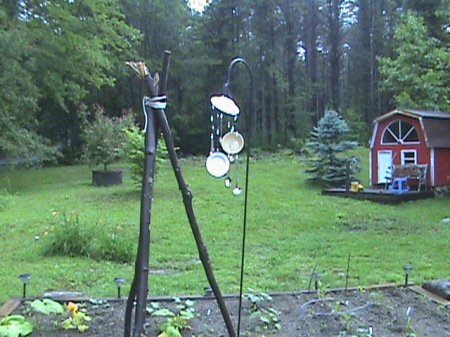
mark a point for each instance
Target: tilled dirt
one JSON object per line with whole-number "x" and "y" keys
{"x": 384, "y": 313}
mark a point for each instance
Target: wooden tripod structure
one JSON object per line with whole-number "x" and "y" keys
{"x": 156, "y": 123}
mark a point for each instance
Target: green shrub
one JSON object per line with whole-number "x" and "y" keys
{"x": 103, "y": 137}
{"x": 134, "y": 149}
{"x": 111, "y": 244}
{"x": 98, "y": 241}
{"x": 4, "y": 198}
{"x": 69, "y": 237}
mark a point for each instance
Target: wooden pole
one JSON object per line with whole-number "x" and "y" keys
{"x": 139, "y": 287}
{"x": 187, "y": 199}
{"x": 140, "y": 282}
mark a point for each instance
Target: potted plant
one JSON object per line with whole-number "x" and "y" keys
{"x": 104, "y": 138}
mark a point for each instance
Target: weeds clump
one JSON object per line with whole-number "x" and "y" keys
{"x": 266, "y": 314}
{"x": 72, "y": 237}
{"x": 4, "y": 198}
{"x": 176, "y": 322}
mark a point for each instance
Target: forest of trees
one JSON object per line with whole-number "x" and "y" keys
{"x": 361, "y": 58}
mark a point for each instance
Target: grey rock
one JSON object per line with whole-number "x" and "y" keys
{"x": 438, "y": 287}
{"x": 61, "y": 293}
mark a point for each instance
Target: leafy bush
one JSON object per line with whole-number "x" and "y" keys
{"x": 97, "y": 241}
{"x": 104, "y": 138}
{"x": 134, "y": 149}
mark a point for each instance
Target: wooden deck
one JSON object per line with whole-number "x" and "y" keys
{"x": 379, "y": 195}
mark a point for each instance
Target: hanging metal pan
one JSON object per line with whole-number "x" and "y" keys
{"x": 225, "y": 105}
{"x": 217, "y": 164}
{"x": 232, "y": 142}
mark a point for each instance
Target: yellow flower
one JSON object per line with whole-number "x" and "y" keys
{"x": 72, "y": 307}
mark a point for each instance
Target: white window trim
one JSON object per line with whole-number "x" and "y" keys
{"x": 396, "y": 138}
{"x": 403, "y": 152}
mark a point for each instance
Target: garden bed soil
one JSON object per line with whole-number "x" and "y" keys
{"x": 393, "y": 312}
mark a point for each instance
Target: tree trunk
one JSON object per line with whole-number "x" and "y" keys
{"x": 311, "y": 22}
{"x": 334, "y": 37}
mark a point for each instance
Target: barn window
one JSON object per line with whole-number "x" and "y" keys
{"x": 409, "y": 157}
{"x": 400, "y": 132}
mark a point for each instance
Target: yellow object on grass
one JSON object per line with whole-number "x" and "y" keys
{"x": 356, "y": 187}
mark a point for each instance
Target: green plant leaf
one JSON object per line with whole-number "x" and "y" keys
{"x": 189, "y": 303}
{"x": 173, "y": 332}
{"x": 163, "y": 313}
{"x": 15, "y": 326}
{"x": 83, "y": 328}
{"x": 255, "y": 314}
{"x": 187, "y": 314}
{"x": 68, "y": 324}
{"x": 47, "y": 307}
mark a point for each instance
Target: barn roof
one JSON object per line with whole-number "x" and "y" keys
{"x": 435, "y": 125}
{"x": 414, "y": 114}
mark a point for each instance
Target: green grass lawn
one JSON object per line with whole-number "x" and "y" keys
{"x": 292, "y": 229}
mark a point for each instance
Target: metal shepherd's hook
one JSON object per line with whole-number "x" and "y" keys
{"x": 235, "y": 61}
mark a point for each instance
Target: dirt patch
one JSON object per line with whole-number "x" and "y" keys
{"x": 389, "y": 313}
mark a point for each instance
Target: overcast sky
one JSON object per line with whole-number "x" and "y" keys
{"x": 198, "y": 5}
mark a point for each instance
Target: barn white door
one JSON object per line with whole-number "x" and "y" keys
{"x": 384, "y": 166}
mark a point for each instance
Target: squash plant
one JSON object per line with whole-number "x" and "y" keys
{"x": 15, "y": 326}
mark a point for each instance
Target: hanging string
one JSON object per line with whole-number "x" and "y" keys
{"x": 211, "y": 150}
{"x": 144, "y": 103}
{"x": 219, "y": 118}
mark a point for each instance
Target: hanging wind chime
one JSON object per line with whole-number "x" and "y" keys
{"x": 226, "y": 142}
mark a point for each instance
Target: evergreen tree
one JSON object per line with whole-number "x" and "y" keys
{"x": 328, "y": 151}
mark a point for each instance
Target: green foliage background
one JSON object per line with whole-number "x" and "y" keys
{"x": 358, "y": 57}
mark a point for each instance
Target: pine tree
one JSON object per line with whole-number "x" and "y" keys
{"x": 328, "y": 151}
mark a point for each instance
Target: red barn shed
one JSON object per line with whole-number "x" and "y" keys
{"x": 411, "y": 137}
